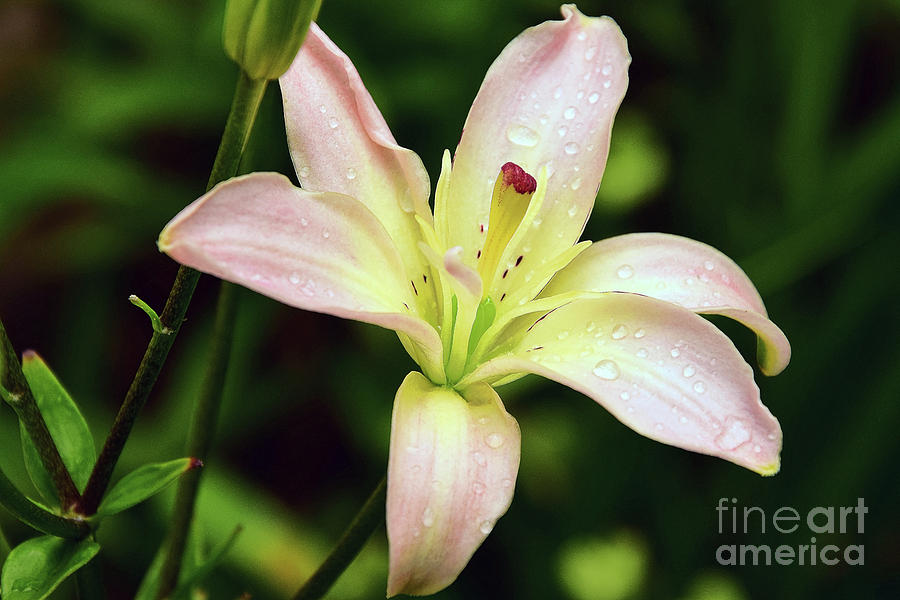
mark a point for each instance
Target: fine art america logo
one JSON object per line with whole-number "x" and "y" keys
{"x": 820, "y": 520}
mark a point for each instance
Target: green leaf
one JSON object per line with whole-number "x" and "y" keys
{"x": 196, "y": 575}
{"x": 66, "y": 424}
{"x": 142, "y": 483}
{"x": 37, "y": 566}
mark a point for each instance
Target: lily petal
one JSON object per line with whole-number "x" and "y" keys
{"x": 548, "y": 100}
{"x": 680, "y": 270}
{"x": 451, "y": 474}
{"x": 323, "y": 252}
{"x": 660, "y": 369}
{"x": 340, "y": 142}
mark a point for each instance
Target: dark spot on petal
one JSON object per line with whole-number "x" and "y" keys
{"x": 425, "y": 278}
{"x": 414, "y": 287}
{"x": 518, "y": 261}
{"x": 482, "y": 228}
{"x": 503, "y": 296}
{"x": 478, "y": 255}
{"x": 505, "y": 273}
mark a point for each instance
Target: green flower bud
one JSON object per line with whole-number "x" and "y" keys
{"x": 264, "y": 36}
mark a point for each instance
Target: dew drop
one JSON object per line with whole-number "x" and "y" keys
{"x": 642, "y": 353}
{"x": 570, "y": 113}
{"x": 325, "y": 234}
{"x": 303, "y": 221}
{"x": 607, "y": 84}
{"x": 522, "y": 136}
{"x": 639, "y": 334}
{"x": 675, "y": 352}
{"x": 557, "y": 93}
{"x": 573, "y": 210}
{"x": 734, "y": 435}
{"x": 607, "y": 69}
{"x": 294, "y": 278}
{"x": 351, "y": 173}
{"x": 625, "y": 272}
{"x": 593, "y": 98}
{"x": 590, "y": 53}
{"x": 506, "y": 483}
{"x": 708, "y": 265}
{"x": 494, "y": 440}
{"x": 428, "y": 517}
{"x": 322, "y": 109}
{"x": 563, "y": 130}
{"x": 563, "y": 335}
{"x": 606, "y": 369}
{"x": 479, "y": 458}
{"x": 757, "y": 448}
{"x": 575, "y": 184}
{"x": 543, "y": 119}
{"x": 659, "y": 426}
{"x": 579, "y": 95}
{"x": 688, "y": 371}
{"x": 333, "y": 122}
{"x": 486, "y": 527}
{"x": 571, "y": 148}
{"x": 699, "y": 387}
{"x": 478, "y": 488}
{"x": 619, "y": 332}
{"x": 682, "y": 419}
{"x": 303, "y": 172}
{"x": 483, "y": 420}
{"x": 624, "y": 395}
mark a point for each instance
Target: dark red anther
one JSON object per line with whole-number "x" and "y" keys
{"x": 516, "y": 176}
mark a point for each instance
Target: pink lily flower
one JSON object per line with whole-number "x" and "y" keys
{"x": 494, "y": 284}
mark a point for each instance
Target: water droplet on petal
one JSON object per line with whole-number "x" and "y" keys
{"x": 303, "y": 172}
{"x": 606, "y": 369}
{"x": 682, "y": 419}
{"x": 294, "y": 278}
{"x": 570, "y": 113}
{"x": 478, "y": 488}
{"x": 642, "y": 353}
{"x": 573, "y": 210}
{"x": 624, "y": 395}
{"x": 479, "y": 458}
{"x": 351, "y": 173}
{"x": 543, "y": 119}
{"x": 571, "y": 148}
{"x": 333, "y": 122}
{"x": 575, "y": 184}
{"x": 699, "y": 387}
{"x": 506, "y": 483}
{"x": 688, "y": 371}
{"x": 322, "y": 109}
{"x": 483, "y": 420}
{"x": 708, "y": 265}
{"x": 593, "y": 98}
{"x": 607, "y": 69}
{"x": 325, "y": 234}
{"x": 607, "y": 84}
{"x": 734, "y": 435}
{"x": 494, "y": 440}
{"x": 563, "y": 130}
{"x": 523, "y": 136}
{"x": 486, "y": 527}
{"x": 590, "y": 53}
{"x": 675, "y": 352}
{"x": 625, "y": 271}
{"x": 428, "y": 517}
{"x": 619, "y": 332}
{"x": 591, "y": 326}
{"x": 639, "y": 334}
{"x": 557, "y": 93}
{"x": 563, "y": 335}
{"x": 303, "y": 221}
{"x": 582, "y": 36}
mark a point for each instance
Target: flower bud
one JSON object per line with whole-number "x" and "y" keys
{"x": 264, "y": 36}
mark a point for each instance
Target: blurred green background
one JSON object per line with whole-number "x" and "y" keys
{"x": 770, "y": 130}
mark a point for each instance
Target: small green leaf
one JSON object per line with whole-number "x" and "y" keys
{"x": 142, "y": 483}
{"x": 66, "y": 424}
{"x": 37, "y": 566}
{"x": 196, "y": 575}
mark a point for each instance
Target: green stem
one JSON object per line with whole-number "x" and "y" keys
{"x": 31, "y": 514}
{"x": 206, "y": 411}
{"x": 89, "y": 581}
{"x": 247, "y": 96}
{"x": 19, "y": 396}
{"x": 363, "y": 526}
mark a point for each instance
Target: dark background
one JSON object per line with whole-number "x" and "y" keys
{"x": 770, "y": 130}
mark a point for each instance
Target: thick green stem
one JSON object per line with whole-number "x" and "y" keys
{"x": 363, "y": 526}
{"x": 244, "y": 107}
{"x": 203, "y": 426}
{"x": 89, "y": 581}
{"x": 31, "y": 514}
{"x": 19, "y": 396}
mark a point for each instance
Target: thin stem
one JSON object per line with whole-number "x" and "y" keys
{"x": 19, "y": 396}
{"x": 206, "y": 412}
{"x": 363, "y": 526}
{"x": 31, "y": 514}
{"x": 89, "y": 581}
{"x": 247, "y": 96}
